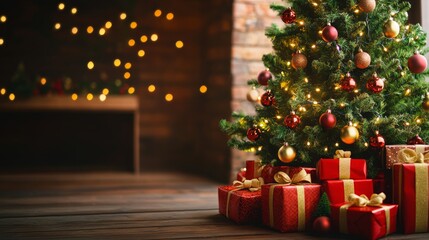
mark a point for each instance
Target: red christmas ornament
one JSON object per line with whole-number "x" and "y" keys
{"x": 417, "y": 63}
{"x": 288, "y": 16}
{"x": 322, "y": 224}
{"x": 253, "y": 133}
{"x": 375, "y": 84}
{"x": 263, "y": 77}
{"x": 328, "y": 120}
{"x": 292, "y": 120}
{"x": 377, "y": 141}
{"x": 415, "y": 140}
{"x": 348, "y": 83}
{"x": 329, "y": 33}
{"x": 267, "y": 99}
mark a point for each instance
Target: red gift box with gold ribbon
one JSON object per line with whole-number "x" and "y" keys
{"x": 411, "y": 192}
{"x": 288, "y": 207}
{"x": 339, "y": 190}
{"x": 341, "y": 168}
{"x": 366, "y": 222}
{"x": 242, "y": 201}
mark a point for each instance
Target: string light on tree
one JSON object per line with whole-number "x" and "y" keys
{"x": 169, "y": 16}
{"x": 61, "y": 6}
{"x": 203, "y": 89}
{"x": 154, "y": 37}
{"x": 123, "y": 16}
{"x": 151, "y": 88}
{"x": 157, "y": 13}
{"x": 179, "y": 44}
{"x": 425, "y": 103}
{"x": 57, "y": 26}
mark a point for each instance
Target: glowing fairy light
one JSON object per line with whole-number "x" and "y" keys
{"x": 57, "y": 26}
{"x": 141, "y": 53}
{"x": 151, "y": 88}
{"x": 61, "y": 6}
{"x": 203, "y": 89}
{"x": 74, "y": 96}
{"x": 179, "y": 44}
{"x": 168, "y": 97}
{"x": 169, "y": 16}
{"x": 123, "y": 16}
{"x": 108, "y": 25}
{"x": 157, "y": 13}
{"x": 89, "y": 29}
{"x": 154, "y": 37}
{"x": 131, "y": 90}
{"x": 143, "y": 38}
{"x": 117, "y": 62}
{"x": 89, "y": 96}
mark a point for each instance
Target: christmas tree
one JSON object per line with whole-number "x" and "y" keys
{"x": 343, "y": 74}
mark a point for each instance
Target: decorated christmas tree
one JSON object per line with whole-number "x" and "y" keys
{"x": 343, "y": 74}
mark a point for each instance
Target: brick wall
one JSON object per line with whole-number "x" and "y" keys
{"x": 249, "y": 43}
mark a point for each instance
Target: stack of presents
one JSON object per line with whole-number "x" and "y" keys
{"x": 285, "y": 198}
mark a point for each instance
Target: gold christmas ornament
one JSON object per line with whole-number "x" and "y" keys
{"x": 425, "y": 103}
{"x": 349, "y": 134}
{"x": 391, "y": 28}
{"x": 299, "y": 60}
{"x": 367, "y": 5}
{"x": 362, "y": 59}
{"x": 286, "y": 153}
{"x": 253, "y": 95}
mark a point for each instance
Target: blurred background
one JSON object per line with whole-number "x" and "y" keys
{"x": 129, "y": 85}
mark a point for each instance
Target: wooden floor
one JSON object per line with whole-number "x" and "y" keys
{"x": 121, "y": 206}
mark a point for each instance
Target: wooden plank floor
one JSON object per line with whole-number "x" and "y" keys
{"x": 121, "y": 206}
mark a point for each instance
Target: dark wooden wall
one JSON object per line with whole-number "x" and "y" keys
{"x": 181, "y": 134}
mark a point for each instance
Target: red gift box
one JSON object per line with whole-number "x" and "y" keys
{"x": 366, "y": 222}
{"x": 241, "y": 206}
{"x": 339, "y": 190}
{"x": 391, "y": 153}
{"x": 411, "y": 192}
{"x": 341, "y": 168}
{"x": 253, "y": 169}
{"x": 241, "y": 175}
{"x": 269, "y": 171}
{"x": 288, "y": 208}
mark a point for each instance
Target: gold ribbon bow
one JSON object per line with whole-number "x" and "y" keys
{"x": 407, "y": 155}
{"x": 300, "y": 177}
{"x": 342, "y": 154}
{"x": 362, "y": 200}
{"x": 253, "y": 185}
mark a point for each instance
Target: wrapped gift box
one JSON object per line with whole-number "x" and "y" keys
{"x": 241, "y": 175}
{"x": 253, "y": 169}
{"x": 391, "y": 153}
{"x": 411, "y": 192}
{"x": 289, "y": 208}
{"x": 341, "y": 168}
{"x": 241, "y": 206}
{"x": 365, "y": 222}
{"x": 269, "y": 171}
{"x": 339, "y": 190}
